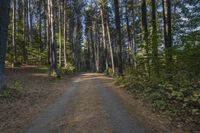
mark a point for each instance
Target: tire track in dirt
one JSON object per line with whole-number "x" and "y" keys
{"x": 88, "y": 106}
{"x": 46, "y": 120}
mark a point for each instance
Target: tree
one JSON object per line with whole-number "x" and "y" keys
{"x": 155, "y": 60}
{"x": 53, "y": 53}
{"x": 165, "y": 24}
{"x": 60, "y": 34}
{"x": 110, "y": 46}
{"x": 146, "y": 32}
{"x": 119, "y": 44}
{"x": 169, "y": 33}
{"x": 14, "y": 34}
{"x": 65, "y": 31}
{"x": 104, "y": 34}
{"x": 130, "y": 45}
{"x": 4, "y": 15}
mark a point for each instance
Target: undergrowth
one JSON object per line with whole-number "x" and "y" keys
{"x": 177, "y": 97}
{"x": 11, "y": 93}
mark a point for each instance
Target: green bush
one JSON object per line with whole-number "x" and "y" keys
{"x": 178, "y": 96}
{"x": 68, "y": 69}
{"x": 14, "y": 92}
{"x": 109, "y": 72}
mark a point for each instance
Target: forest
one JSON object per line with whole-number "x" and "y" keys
{"x": 149, "y": 47}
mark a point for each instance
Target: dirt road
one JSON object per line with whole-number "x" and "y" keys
{"x": 90, "y": 105}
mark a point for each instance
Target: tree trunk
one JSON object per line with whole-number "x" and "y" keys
{"x": 24, "y": 31}
{"x": 169, "y": 32}
{"x": 4, "y": 15}
{"x": 52, "y": 39}
{"x": 110, "y": 45}
{"x": 104, "y": 39}
{"x": 134, "y": 34}
{"x": 119, "y": 44}
{"x": 65, "y": 31}
{"x": 146, "y": 34}
{"x": 14, "y": 33}
{"x": 129, "y": 34}
{"x": 155, "y": 60}
{"x": 60, "y": 34}
{"x": 30, "y": 21}
{"x": 92, "y": 45}
{"x": 165, "y": 23}
{"x": 40, "y": 25}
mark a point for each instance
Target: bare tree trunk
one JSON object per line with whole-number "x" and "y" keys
{"x": 155, "y": 60}
{"x": 49, "y": 35}
{"x": 97, "y": 49}
{"x": 134, "y": 46}
{"x": 129, "y": 35}
{"x": 14, "y": 34}
{"x": 92, "y": 46}
{"x": 111, "y": 48}
{"x": 169, "y": 32}
{"x": 95, "y": 45}
{"x": 30, "y": 21}
{"x": 4, "y": 15}
{"x": 146, "y": 33}
{"x": 104, "y": 39}
{"x": 165, "y": 23}
{"x": 40, "y": 24}
{"x": 60, "y": 34}
{"x": 45, "y": 23}
{"x": 24, "y": 31}
{"x": 53, "y": 39}
{"x": 119, "y": 44}
{"x": 65, "y": 32}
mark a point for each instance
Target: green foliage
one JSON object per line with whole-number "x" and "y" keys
{"x": 15, "y": 92}
{"x": 68, "y": 69}
{"x": 109, "y": 72}
{"x": 43, "y": 69}
{"x": 180, "y": 94}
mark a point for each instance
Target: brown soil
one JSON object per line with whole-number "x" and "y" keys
{"x": 39, "y": 90}
{"x": 96, "y": 105}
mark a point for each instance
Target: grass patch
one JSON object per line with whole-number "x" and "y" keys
{"x": 11, "y": 93}
{"x": 43, "y": 69}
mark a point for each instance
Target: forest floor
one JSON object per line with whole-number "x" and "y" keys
{"x": 79, "y": 103}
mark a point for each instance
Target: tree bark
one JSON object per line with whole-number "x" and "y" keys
{"x": 129, "y": 34}
{"x": 60, "y": 34}
{"x": 155, "y": 60}
{"x": 52, "y": 45}
{"x": 169, "y": 23}
{"x": 169, "y": 32}
{"x": 165, "y": 24}
{"x": 65, "y": 31}
{"x": 14, "y": 33}
{"x": 134, "y": 34}
{"x": 104, "y": 39}
{"x": 4, "y": 15}
{"x": 110, "y": 45}
{"x": 24, "y": 31}
{"x": 146, "y": 33}
{"x": 93, "y": 49}
{"x": 119, "y": 44}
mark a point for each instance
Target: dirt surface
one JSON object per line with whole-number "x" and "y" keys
{"x": 94, "y": 104}
{"x": 39, "y": 91}
{"x": 85, "y": 103}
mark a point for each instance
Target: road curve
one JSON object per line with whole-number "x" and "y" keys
{"x": 88, "y": 106}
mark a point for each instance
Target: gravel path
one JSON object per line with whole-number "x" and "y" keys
{"x": 88, "y": 106}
